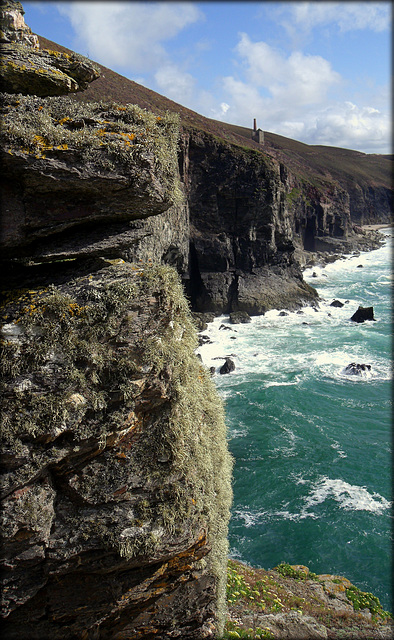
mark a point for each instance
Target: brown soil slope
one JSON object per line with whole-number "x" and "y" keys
{"x": 318, "y": 162}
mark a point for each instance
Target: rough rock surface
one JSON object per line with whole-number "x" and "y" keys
{"x": 291, "y": 603}
{"x": 73, "y": 178}
{"x": 241, "y": 255}
{"x": 13, "y": 26}
{"x": 241, "y": 317}
{"x": 362, "y": 314}
{"x": 26, "y": 69}
{"x": 116, "y": 477}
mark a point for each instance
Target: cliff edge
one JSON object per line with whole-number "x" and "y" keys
{"x": 116, "y": 478}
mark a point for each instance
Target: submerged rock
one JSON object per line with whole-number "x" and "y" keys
{"x": 357, "y": 369}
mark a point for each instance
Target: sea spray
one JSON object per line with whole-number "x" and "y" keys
{"x": 312, "y": 444}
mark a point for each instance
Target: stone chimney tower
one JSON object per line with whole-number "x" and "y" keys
{"x": 257, "y": 134}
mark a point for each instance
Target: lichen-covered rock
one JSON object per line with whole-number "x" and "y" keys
{"x": 42, "y": 72}
{"x": 13, "y": 27}
{"x": 26, "y": 69}
{"x": 66, "y": 164}
{"x": 117, "y": 478}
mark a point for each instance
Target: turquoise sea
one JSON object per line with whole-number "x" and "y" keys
{"x": 312, "y": 444}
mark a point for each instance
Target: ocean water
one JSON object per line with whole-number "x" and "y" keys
{"x": 312, "y": 444}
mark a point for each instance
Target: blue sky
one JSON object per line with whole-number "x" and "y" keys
{"x": 318, "y": 72}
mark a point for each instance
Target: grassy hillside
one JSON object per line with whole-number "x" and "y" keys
{"x": 322, "y": 162}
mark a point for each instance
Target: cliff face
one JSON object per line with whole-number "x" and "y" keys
{"x": 241, "y": 233}
{"x": 116, "y": 485}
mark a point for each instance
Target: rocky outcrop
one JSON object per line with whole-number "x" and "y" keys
{"x": 13, "y": 26}
{"x": 26, "y": 69}
{"x": 357, "y": 369}
{"x": 75, "y": 177}
{"x": 290, "y": 602}
{"x": 227, "y": 367}
{"x": 362, "y": 314}
{"x": 241, "y": 238}
{"x": 116, "y": 477}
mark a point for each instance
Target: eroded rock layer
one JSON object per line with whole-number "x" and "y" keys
{"x": 117, "y": 479}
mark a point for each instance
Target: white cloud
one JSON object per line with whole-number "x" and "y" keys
{"x": 346, "y": 16}
{"x": 128, "y": 34}
{"x": 176, "y": 84}
{"x": 303, "y": 79}
{"x": 347, "y": 125}
{"x": 292, "y": 96}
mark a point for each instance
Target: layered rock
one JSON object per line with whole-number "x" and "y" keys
{"x": 241, "y": 233}
{"x": 117, "y": 479}
{"x": 26, "y": 69}
{"x": 74, "y": 178}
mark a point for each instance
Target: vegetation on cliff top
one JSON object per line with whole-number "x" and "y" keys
{"x": 107, "y": 134}
{"x": 321, "y": 163}
{"x": 255, "y": 593}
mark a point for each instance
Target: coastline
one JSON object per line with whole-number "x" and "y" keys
{"x": 376, "y": 227}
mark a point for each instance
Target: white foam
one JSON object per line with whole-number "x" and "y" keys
{"x": 349, "y": 497}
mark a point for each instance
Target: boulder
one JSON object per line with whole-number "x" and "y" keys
{"x": 227, "y": 367}
{"x": 362, "y": 314}
{"x": 239, "y": 317}
{"x": 25, "y": 69}
{"x": 202, "y": 319}
{"x": 336, "y": 303}
{"x": 282, "y": 314}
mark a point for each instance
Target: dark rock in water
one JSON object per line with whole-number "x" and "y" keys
{"x": 336, "y": 303}
{"x": 233, "y": 337}
{"x": 356, "y": 369}
{"x": 314, "y": 274}
{"x": 239, "y": 317}
{"x": 283, "y": 313}
{"x": 226, "y": 328}
{"x": 199, "y": 357}
{"x": 212, "y": 370}
{"x": 347, "y": 301}
{"x": 300, "y": 313}
{"x": 360, "y": 266}
{"x": 362, "y": 314}
{"x": 204, "y": 340}
{"x": 307, "y": 323}
{"x": 228, "y": 366}
{"x": 201, "y": 320}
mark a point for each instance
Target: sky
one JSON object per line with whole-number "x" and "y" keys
{"x": 318, "y": 72}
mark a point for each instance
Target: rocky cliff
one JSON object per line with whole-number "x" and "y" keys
{"x": 117, "y": 481}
